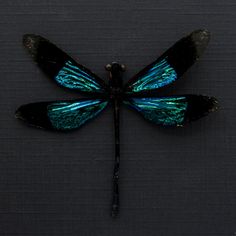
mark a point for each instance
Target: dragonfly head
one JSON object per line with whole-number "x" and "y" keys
{"x": 115, "y": 67}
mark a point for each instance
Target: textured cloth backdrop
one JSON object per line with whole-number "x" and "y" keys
{"x": 174, "y": 182}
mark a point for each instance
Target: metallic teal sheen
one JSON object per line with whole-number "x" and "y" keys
{"x": 159, "y": 75}
{"x": 71, "y": 115}
{"x": 71, "y": 76}
{"x": 167, "y": 111}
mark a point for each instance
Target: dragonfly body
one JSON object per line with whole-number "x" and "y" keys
{"x": 116, "y": 95}
{"x": 140, "y": 93}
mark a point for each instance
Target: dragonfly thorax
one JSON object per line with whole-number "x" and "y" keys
{"x": 115, "y": 78}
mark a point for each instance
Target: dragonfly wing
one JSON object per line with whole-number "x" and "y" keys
{"x": 60, "y": 115}
{"x": 173, "y": 110}
{"x": 61, "y": 67}
{"x": 171, "y": 65}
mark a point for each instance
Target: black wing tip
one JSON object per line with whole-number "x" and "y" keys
{"x": 29, "y": 39}
{"x": 23, "y": 113}
{"x": 34, "y": 114}
{"x": 214, "y": 104}
{"x": 18, "y": 114}
{"x": 32, "y": 42}
{"x": 26, "y": 38}
{"x": 200, "y": 106}
{"x": 200, "y": 39}
{"x": 201, "y": 35}
{"x": 202, "y": 31}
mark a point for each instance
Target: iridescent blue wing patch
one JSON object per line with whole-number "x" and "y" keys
{"x": 173, "y": 110}
{"x": 61, "y": 115}
{"x": 61, "y": 67}
{"x": 171, "y": 65}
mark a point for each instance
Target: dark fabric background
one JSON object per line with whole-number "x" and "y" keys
{"x": 174, "y": 182}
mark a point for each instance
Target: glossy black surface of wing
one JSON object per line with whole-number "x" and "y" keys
{"x": 61, "y": 67}
{"x": 173, "y": 110}
{"x": 60, "y": 115}
{"x": 171, "y": 65}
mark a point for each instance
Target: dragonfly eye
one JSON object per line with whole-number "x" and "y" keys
{"x": 108, "y": 67}
{"x": 123, "y": 67}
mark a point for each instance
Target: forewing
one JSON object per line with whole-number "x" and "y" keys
{"x": 171, "y": 65}
{"x": 173, "y": 110}
{"x": 60, "y": 115}
{"x": 61, "y": 67}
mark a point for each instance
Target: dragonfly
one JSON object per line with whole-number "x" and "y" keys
{"x": 140, "y": 93}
